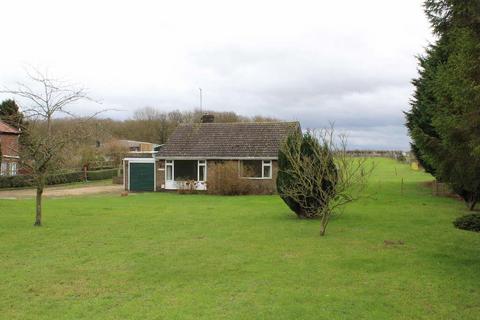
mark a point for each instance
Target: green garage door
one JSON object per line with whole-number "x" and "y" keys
{"x": 142, "y": 177}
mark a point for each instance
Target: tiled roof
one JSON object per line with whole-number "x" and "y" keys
{"x": 5, "y": 128}
{"x": 228, "y": 140}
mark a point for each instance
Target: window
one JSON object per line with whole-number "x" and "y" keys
{"x": 256, "y": 169}
{"x": 13, "y": 168}
{"x": 185, "y": 170}
{"x": 3, "y": 169}
{"x": 267, "y": 169}
{"x": 169, "y": 167}
{"x": 202, "y": 170}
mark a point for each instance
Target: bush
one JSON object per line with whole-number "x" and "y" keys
{"x": 225, "y": 180}
{"x": 469, "y": 222}
{"x": 306, "y": 174}
{"x": 102, "y": 174}
{"x": 22, "y": 181}
{"x": 62, "y": 178}
{"x": 15, "y": 181}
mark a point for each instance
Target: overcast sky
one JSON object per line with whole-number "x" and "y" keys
{"x": 347, "y": 61}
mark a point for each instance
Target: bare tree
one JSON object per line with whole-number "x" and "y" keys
{"x": 42, "y": 150}
{"x": 115, "y": 151}
{"x": 319, "y": 182}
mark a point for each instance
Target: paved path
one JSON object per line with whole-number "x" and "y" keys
{"x": 62, "y": 191}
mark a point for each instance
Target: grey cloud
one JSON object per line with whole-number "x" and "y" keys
{"x": 310, "y": 61}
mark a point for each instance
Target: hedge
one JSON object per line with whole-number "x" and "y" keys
{"x": 102, "y": 174}
{"x": 60, "y": 178}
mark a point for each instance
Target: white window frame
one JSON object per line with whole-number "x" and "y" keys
{"x": 13, "y": 168}
{"x": 202, "y": 163}
{"x": 169, "y": 163}
{"x": 265, "y": 163}
{"x": 4, "y": 168}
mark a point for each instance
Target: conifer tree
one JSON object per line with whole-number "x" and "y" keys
{"x": 444, "y": 121}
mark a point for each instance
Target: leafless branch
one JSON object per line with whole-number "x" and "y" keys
{"x": 324, "y": 182}
{"x": 43, "y": 147}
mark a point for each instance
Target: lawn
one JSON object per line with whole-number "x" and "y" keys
{"x": 169, "y": 256}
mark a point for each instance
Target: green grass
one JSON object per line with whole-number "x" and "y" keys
{"x": 168, "y": 256}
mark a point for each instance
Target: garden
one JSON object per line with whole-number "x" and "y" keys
{"x": 394, "y": 254}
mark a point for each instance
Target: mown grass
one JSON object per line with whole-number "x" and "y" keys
{"x": 168, "y": 256}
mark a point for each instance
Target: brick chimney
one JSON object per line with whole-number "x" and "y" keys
{"x": 207, "y": 118}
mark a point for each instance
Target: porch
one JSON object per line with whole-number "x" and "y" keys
{"x": 186, "y": 174}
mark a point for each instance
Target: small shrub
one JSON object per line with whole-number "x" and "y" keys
{"x": 469, "y": 222}
{"x": 224, "y": 179}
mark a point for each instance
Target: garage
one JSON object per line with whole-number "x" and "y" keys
{"x": 141, "y": 174}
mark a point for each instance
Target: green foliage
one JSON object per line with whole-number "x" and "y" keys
{"x": 10, "y": 113}
{"x": 102, "y": 174}
{"x": 62, "y": 178}
{"x": 469, "y": 222}
{"x": 444, "y": 120}
{"x": 21, "y": 181}
{"x": 15, "y": 181}
{"x": 295, "y": 152}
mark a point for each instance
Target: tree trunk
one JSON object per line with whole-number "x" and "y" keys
{"x": 323, "y": 224}
{"x": 38, "y": 208}
{"x": 471, "y": 205}
{"x": 322, "y": 230}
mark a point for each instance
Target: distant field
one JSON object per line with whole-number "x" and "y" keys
{"x": 168, "y": 256}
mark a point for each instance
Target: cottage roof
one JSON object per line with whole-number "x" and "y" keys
{"x": 5, "y": 128}
{"x": 227, "y": 140}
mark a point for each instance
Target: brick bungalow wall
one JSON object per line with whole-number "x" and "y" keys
{"x": 9, "y": 144}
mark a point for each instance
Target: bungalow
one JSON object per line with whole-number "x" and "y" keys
{"x": 9, "y": 149}
{"x": 194, "y": 150}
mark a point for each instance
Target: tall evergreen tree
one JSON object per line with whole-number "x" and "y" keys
{"x": 419, "y": 118}
{"x": 444, "y": 121}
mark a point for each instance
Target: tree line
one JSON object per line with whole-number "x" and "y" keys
{"x": 147, "y": 124}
